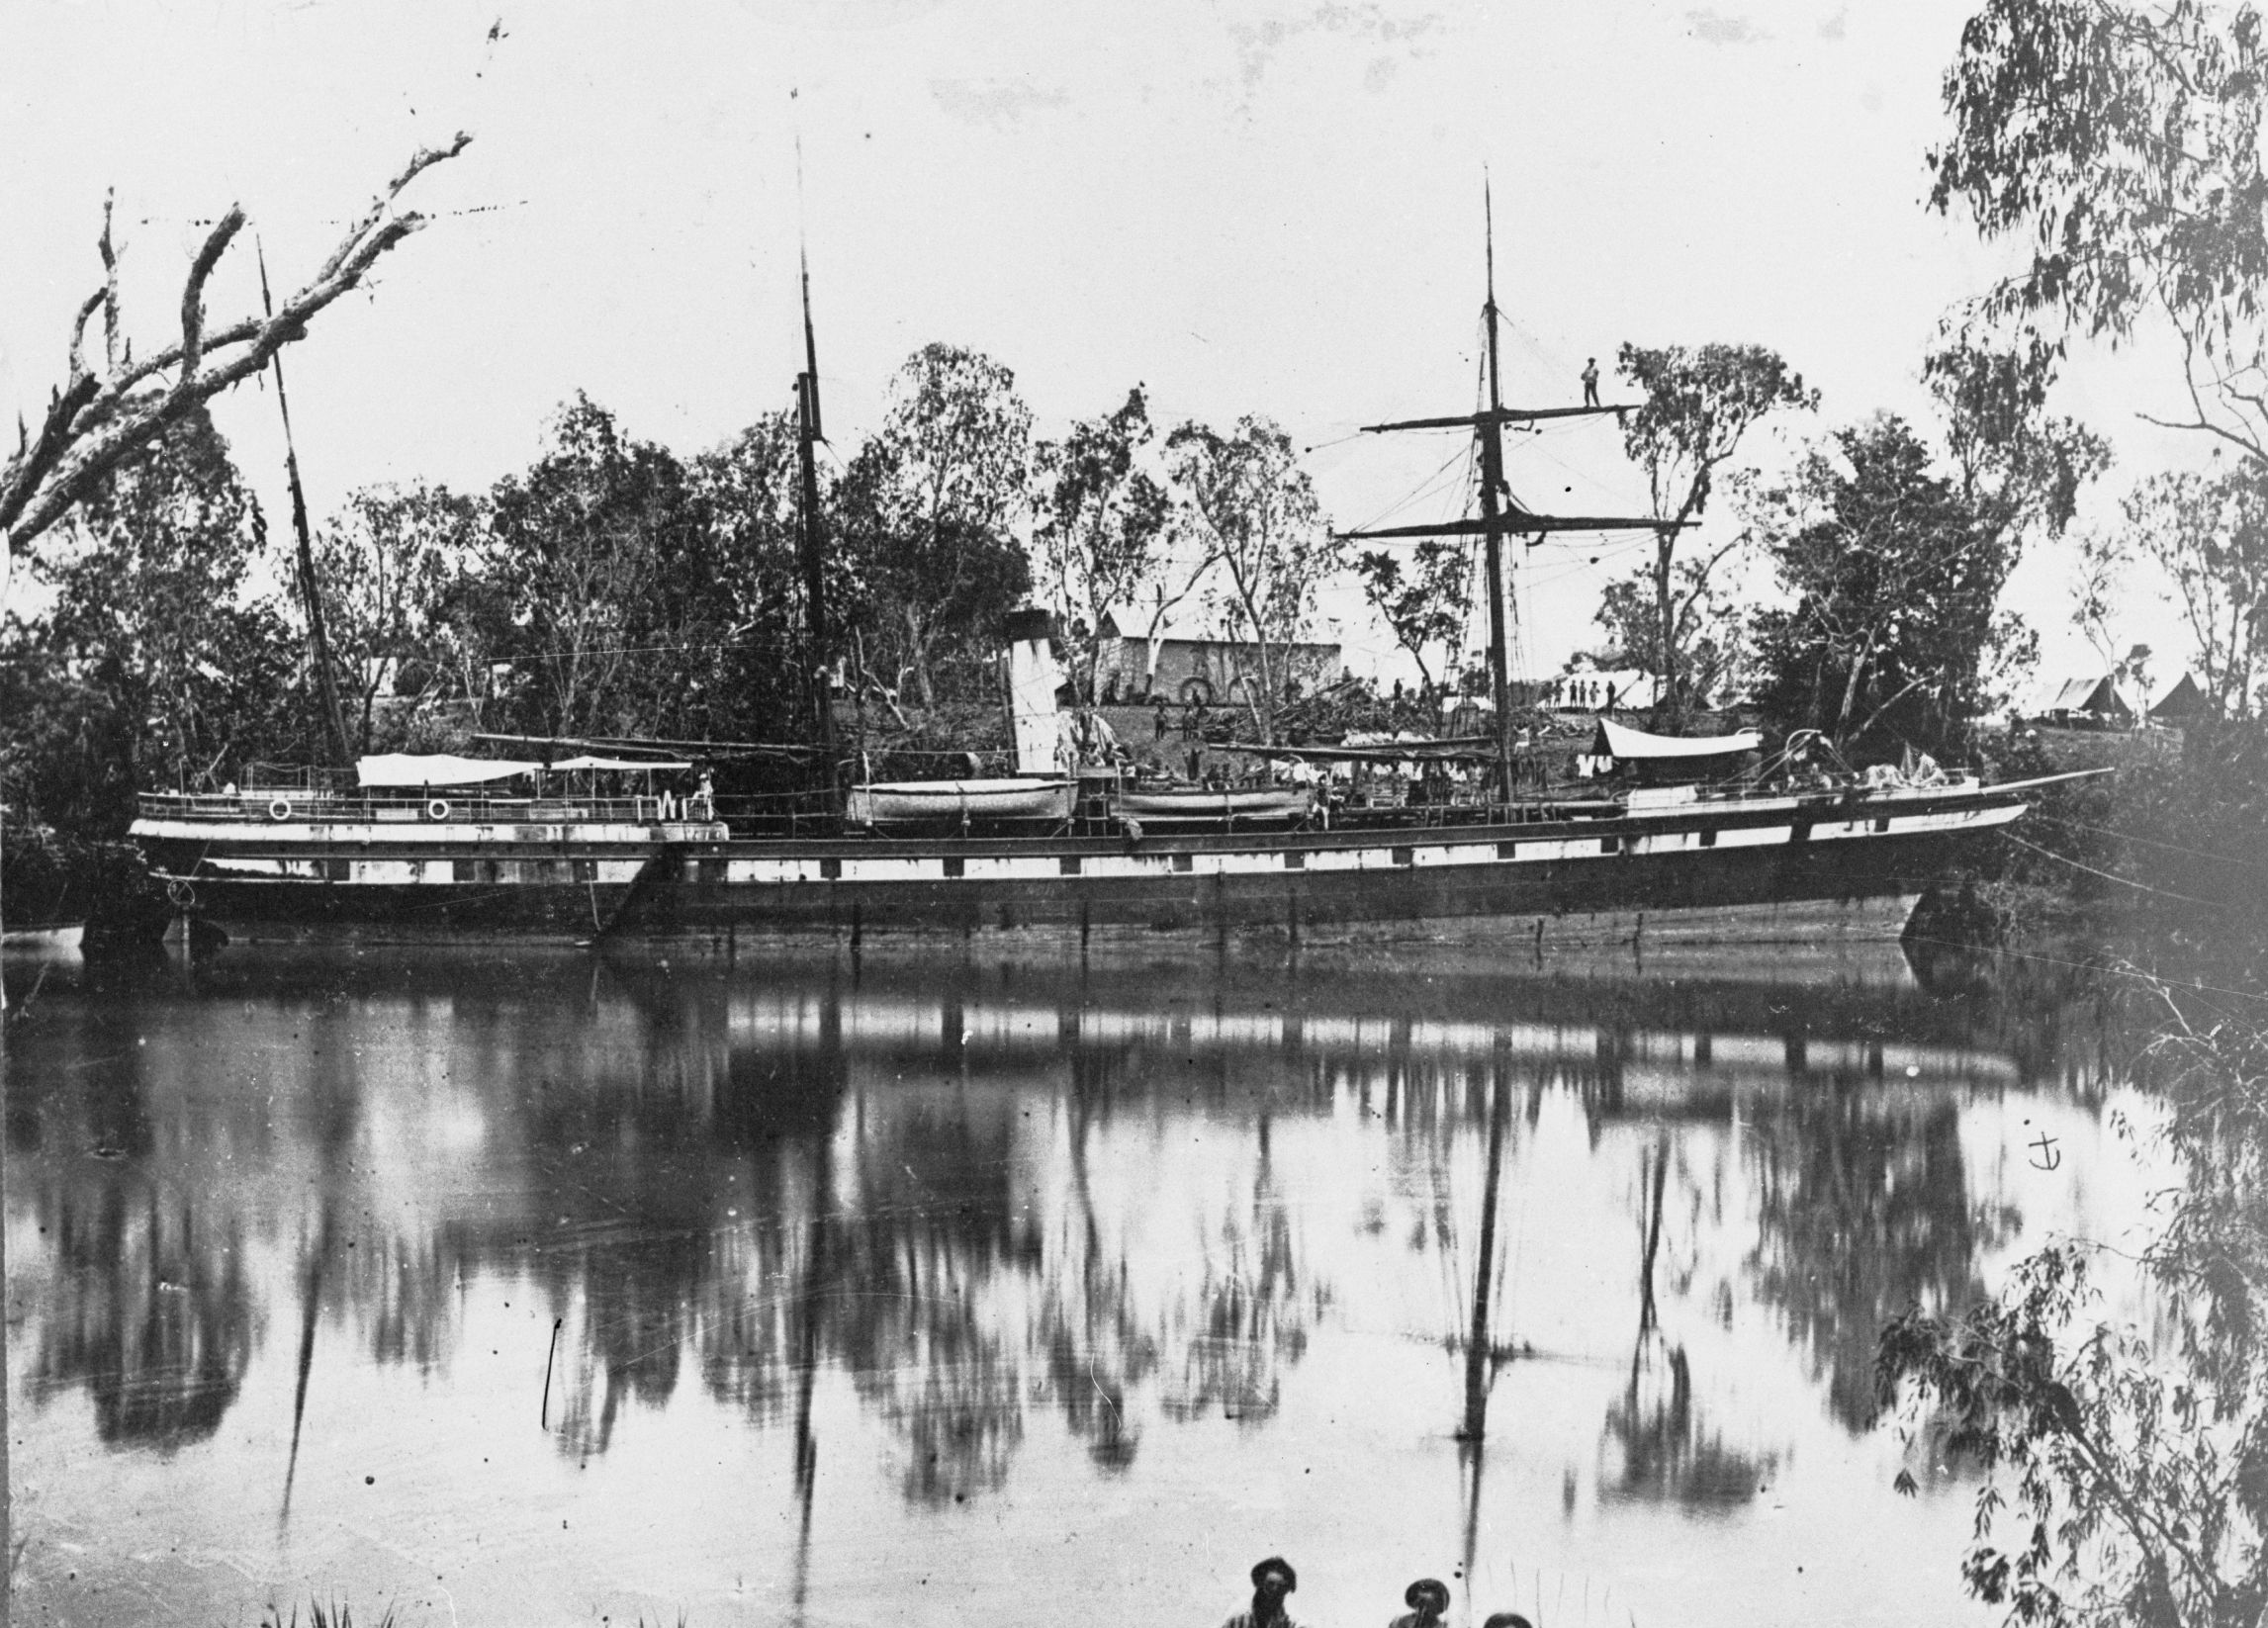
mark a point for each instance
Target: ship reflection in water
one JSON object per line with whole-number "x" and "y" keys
{"x": 545, "y": 1288}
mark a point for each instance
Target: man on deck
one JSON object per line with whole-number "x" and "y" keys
{"x": 1272, "y": 1580}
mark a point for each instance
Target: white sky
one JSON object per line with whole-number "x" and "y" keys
{"x": 1268, "y": 207}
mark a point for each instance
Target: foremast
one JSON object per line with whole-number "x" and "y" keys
{"x": 1501, "y": 516}
{"x": 811, "y": 539}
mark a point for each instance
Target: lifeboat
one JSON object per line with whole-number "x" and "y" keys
{"x": 930, "y": 802}
{"x": 1198, "y": 806}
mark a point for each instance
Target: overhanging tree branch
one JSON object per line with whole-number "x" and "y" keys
{"x": 95, "y": 423}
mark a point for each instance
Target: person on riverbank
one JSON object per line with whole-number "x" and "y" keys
{"x": 1428, "y": 1602}
{"x": 1272, "y": 1580}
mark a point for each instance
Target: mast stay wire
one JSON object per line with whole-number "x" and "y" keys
{"x": 1424, "y": 489}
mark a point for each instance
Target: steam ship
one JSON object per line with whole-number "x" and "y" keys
{"x": 1686, "y": 842}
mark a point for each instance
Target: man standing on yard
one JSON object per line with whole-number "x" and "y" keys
{"x": 1590, "y": 382}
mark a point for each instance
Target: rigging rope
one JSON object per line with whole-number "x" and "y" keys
{"x": 2127, "y": 881}
{"x": 2151, "y": 842}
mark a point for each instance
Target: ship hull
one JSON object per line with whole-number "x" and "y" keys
{"x": 1736, "y": 874}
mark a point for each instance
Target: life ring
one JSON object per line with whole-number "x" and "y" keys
{"x": 279, "y": 809}
{"x": 437, "y": 809}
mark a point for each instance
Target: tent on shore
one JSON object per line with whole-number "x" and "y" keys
{"x": 2100, "y": 702}
{"x": 2184, "y": 700}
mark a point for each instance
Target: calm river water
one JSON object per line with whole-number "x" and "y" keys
{"x": 544, "y": 1289}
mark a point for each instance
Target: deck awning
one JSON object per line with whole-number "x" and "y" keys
{"x": 413, "y": 768}
{"x": 616, "y": 763}
{"x": 1626, "y": 744}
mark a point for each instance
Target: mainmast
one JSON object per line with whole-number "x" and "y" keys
{"x": 341, "y": 752}
{"x": 1501, "y": 516}
{"x": 1492, "y": 483}
{"x": 812, "y": 535}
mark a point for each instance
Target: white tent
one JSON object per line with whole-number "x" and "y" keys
{"x": 2102, "y": 697}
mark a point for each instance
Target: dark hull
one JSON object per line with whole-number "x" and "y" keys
{"x": 1783, "y": 889}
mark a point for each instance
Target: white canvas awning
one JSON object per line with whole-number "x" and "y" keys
{"x": 412, "y": 768}
{"x": 1628, "y": 745}
{"x": 615, "y": 762}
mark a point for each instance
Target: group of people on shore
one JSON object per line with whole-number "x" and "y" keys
{"x": 1274, "y": 1580}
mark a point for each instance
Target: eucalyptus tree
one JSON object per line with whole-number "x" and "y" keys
{"x": 927, "y": 508}
{"x": 1893, "y": 580}
{"x": 172, "y": 664}
{"x": 1106, "y": 521}
{"x": 1700, "y": 405}
{"x": 594, "y": 584}
{"x": 748, "y": 495}
{"x": 2117, "y": 146}
{"x": 1258, "y": 509}
{"x": 385, "y": 564}
{"x": 2209, "y": 534}
{"x": 1426, "y": 606}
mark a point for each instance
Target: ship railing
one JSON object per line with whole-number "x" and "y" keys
{"x": 781, "y": 814}
{"x": 285, "y": 805}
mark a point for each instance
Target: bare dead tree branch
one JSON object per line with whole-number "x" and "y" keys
{"x": 94, "y": 422}
{"x": 110, "y": 282}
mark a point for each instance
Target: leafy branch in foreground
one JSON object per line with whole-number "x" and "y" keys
{"x": 2127, "y": 1475}
{"x": 2120, "y": 144}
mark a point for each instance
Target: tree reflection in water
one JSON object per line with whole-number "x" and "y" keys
{"x": 1666, "y": 1453}
{"x": 154, "y": 1317}
{"x": 150, "y": 1305}
{"x": 928, "y": 1239}
{"x": 744, "y": 1184}
{"x": 1864, "y": 1211}
{"x": 1097, "y": 1348}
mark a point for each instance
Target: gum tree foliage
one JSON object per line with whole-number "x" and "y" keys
{"x": 597, "y": 585}
{"x": 385, "y": 564}
{"x": 2098, "y": 590}
{"x": 2125, "y": 1472}
{"x": 2119, "y": 145}
{"x": 1105, "y": 521}
{"x": 159, "y": 662}
{"x": 747, "y": 492}
{"x": 1426, "y": 604}
{"x": 1255, "y": 511}
{"x": 1894, "y": 575}
{"x": 2207, "y": 533}
{"x": 928, "y": 509}
{"x": 1708, "y": 635}
{"x": 1700, "y": 405}
{"x": 2022, "y": 467}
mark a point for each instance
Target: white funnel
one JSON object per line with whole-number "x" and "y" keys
{"x": 1032, "y": 679}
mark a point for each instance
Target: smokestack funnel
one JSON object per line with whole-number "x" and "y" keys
{"x": 1032, "y": 679}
